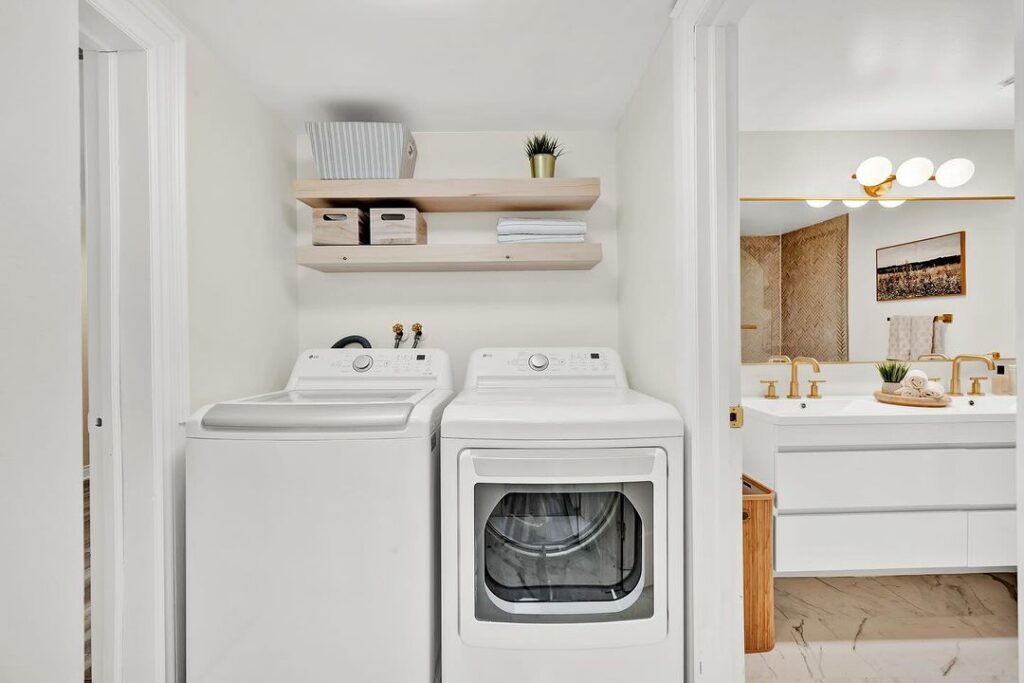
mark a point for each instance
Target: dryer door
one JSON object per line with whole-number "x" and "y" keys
{"x": 562, "y": 542}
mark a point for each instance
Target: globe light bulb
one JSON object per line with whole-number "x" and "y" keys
{"x": 915, "y": 172}
{"x": 874, "y": 171}
{"x": 955, "y": 172}
{"x": 818, "y": 203}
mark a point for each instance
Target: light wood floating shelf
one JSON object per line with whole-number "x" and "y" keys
{"x": 451, "y": 257}
{"x": 475, "y": 194}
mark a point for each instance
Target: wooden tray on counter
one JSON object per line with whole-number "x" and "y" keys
{"x": 911, "y": 402}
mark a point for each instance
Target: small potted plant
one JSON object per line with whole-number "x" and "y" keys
{"x": 892, "y": 373}
{"x": 543, "y": 150}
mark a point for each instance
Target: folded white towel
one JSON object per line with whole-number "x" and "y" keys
{"x": 541, "y": 226}
{"x": 933, "y": 390}
{"x": 540, "y": 238}
{"x": 908, "y": 392}
{"x": 915, "y": 379}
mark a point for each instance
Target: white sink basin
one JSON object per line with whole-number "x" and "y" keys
{"x": 853, "y": 409}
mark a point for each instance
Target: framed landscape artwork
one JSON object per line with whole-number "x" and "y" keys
{"x": 936, "y": 266}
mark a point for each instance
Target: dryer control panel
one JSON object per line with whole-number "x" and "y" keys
{"x": 559, "y": 366}
{"x": 419, "y": 367}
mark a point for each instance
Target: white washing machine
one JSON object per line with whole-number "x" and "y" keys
{"x": 561, "y": 523}
{"x": 312, "y": 524}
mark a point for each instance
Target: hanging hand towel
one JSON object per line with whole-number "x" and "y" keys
{"x": 939, "y": 336}
{"x": 910, "y": 336}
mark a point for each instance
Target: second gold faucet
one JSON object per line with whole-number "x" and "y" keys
{"x": 794, "y": 378}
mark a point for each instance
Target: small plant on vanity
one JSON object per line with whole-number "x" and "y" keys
{"x": 892, "y": 373}
{"x": 543, "y": 150}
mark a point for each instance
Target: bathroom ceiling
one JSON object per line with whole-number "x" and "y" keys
{"x": 876, "y": 65}
{"x": 437, "y": 65}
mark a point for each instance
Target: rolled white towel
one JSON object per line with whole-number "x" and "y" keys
{"x": 908, "y": 392}
{"x": 915, "y": 379}
{"x": 933, "y": 390}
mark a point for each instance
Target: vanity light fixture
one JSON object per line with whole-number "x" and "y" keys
{"x": 891, "y": 203}
{"x": 876, "y": 177}
{"x": 854, "y": 203}
{"x": 818, "y": 203}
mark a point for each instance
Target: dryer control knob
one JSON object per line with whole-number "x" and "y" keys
{"x": 538, "y": 361}
{"x": 362, "y": 363}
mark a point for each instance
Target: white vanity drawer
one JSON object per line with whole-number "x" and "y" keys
{"x": 992, "y": 538}
{"x": 869, "y": 541}
{"x": 894, "y": 479}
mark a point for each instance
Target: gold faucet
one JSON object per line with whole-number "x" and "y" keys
{"x": 794, "y": 380}
{"x": 780, "y": 359}
{"x": 954, "y": 379}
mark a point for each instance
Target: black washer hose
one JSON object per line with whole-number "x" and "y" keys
{"x": 352, "y": 339}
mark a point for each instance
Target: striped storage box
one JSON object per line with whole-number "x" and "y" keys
{"x": 350, "y": 149}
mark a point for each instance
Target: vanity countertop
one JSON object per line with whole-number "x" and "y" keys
{"x": 866, "y": 410}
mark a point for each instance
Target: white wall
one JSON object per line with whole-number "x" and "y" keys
{"x": 464, "y": 311}
{"x": 983, "y": 320}
{"x": 646, "y": 227}
{"x": 242, "y": 283}
{"x": 800, "y": 164}
{"x": 40, "y": 352}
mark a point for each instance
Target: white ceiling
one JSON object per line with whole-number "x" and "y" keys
{"x": 437, "y": 64}
{"x": 777, "y": 218}
{"x": 876, "y": 64}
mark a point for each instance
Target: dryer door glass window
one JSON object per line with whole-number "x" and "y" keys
{"x": 564, "y": 553}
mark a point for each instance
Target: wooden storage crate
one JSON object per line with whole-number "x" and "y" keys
{"x": 397, "y": 226}
{"x": 340, "y": 227}
{"x": 758, "y": 576}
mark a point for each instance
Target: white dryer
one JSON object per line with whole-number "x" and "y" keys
{"x": 312, "y": 524}
{"x": 561, "y": 523}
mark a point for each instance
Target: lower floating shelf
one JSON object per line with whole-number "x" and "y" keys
{"x": 451, "y": 257}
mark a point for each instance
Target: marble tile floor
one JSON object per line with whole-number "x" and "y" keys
{"x": 892, "y": 629}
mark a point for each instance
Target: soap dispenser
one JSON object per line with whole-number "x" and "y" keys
{"x": 1001, "y": 381}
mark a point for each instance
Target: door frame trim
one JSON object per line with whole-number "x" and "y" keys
{"x": 706, "y": 164}
{"x": 149, "y": 25}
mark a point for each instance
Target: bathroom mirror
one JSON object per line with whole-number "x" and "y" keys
{"x": 830, "y": 282}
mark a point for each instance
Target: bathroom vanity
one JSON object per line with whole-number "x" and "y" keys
{"x": 863, "y": 487}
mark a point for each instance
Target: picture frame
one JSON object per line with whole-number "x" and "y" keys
{"x": 924, "y": 268}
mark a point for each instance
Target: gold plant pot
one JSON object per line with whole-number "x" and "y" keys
{"x": 542, "y": 166}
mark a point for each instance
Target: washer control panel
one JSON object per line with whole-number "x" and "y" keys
{"x": 513, "y": 367}
{"x": 419, "y": 365}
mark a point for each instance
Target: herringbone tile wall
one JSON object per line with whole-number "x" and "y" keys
{"x": 815, "y": 310}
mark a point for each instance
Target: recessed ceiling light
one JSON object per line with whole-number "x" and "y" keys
{"x": 818, "y": 203}
{"x": 891, "y": 203}
{"x": 854, "y": 203}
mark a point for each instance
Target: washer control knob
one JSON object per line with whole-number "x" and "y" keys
{"x": 538, "y": 361}
{"x": 362, "y": 363}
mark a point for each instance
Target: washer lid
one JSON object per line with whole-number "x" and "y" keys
{"x": 307, "y": 409}
{"x": 558, "y": 413}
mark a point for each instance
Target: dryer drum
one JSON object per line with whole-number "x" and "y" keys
{"x": 552, "y": 523}
{"x": 563, "y": 547}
